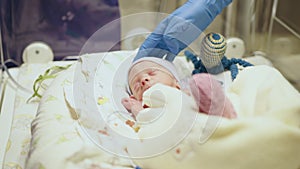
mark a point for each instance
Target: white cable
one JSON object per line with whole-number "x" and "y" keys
{"x": 1, "y": 48}
{"x": 14, "y": 81}
{"x": 272, "y": 18}
{"x": 1, "y": 57}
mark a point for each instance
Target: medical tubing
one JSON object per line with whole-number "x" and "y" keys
{"x": 13, "y": 80}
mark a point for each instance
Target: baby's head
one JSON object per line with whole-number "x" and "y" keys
{"x": 147, "y": 71}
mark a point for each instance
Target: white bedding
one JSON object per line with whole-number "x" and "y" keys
{"x": 68, "y": 131}
{"x": 21, "y": 114}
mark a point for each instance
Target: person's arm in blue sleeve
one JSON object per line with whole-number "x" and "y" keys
{"x": 181, "y": 28}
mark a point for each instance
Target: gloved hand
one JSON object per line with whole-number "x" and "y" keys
{"x": 181, "y": 28}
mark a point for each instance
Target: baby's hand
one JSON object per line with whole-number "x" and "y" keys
{"x": 132, "y": 105}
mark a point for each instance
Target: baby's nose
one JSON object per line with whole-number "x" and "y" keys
{"x": 145, "y": 80}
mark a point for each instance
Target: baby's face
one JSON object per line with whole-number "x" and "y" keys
{"x": 145, "y": 74}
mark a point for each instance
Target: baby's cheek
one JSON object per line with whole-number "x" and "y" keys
{"x": 137, "y": 95}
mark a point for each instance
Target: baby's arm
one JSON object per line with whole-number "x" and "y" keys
{"x": 210, "y": 96}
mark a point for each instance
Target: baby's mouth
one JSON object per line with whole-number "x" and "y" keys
{"x": 145, "y": 106}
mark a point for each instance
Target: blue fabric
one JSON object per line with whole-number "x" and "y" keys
{"x": 181, "y": 28}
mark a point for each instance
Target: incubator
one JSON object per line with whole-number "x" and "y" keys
{"x": 61, "y": 86}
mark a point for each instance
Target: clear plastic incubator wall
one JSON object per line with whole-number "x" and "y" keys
{"x": 60, "y": 104}
{"x": 268, "y": 28}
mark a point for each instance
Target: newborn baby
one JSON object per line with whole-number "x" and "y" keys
{"x": 148, "y": 71}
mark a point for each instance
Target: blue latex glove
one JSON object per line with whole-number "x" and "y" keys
{"x": 181, "y": 28}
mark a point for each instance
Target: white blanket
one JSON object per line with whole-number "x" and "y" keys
{"x": 265, "y": 135}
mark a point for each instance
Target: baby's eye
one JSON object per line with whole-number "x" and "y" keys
{"x": 152, "y": 71}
